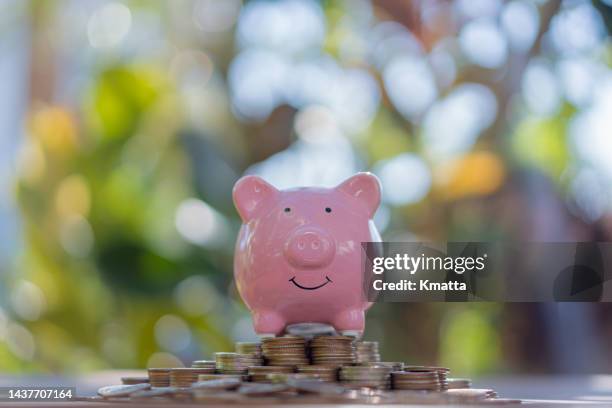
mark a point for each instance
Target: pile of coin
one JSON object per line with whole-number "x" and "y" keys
{"x": 262, "y": 373}
{"x": 279, "y": 370}
{"x": 289, "y": 389}
{"x": 159, "y": 377}
{"x": 184, "y": 377}
{"x": 204, "y": 364}
{"x": 229, "y": 363}
{"x": 422, "y": 380}
{"x": 457, "y": 383}
{"x": 322, "y": 372}
{"x": 366, "y": 352}
{"x": 378, "y": 377}
{"x": 332, "y": 350}
{"x": 285, "y": 351}
{"x": 250, "y": 353}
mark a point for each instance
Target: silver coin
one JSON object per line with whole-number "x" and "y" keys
{"x": 315, "y": 386}
{"x": 261, "y": 388}
{"x": 122, "y": 390}
{"x": 309, "y": 330}
{"x": 154, "y": 392}
{"x": 217, "y": 385}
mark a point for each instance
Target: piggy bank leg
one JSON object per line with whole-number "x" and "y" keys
{"x": 350, "y": 322}
{"x": 268, "y": 323}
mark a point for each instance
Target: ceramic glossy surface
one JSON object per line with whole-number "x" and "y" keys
{"x": 298, "y": 254}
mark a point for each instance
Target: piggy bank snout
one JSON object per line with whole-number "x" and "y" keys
{"x": 309, "y": 248}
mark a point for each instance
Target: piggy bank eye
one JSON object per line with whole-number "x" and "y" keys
{"x": 287, "y": 209}
{"x": 327, "y": 209}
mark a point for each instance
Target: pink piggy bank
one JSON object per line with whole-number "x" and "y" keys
{"x": 298, "y": 254}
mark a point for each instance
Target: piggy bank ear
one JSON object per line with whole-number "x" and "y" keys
{"x": 365, "y": 188}
{"x": 250, "y": 194}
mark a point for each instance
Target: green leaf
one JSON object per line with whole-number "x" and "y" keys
{"x": 119, "y": 99}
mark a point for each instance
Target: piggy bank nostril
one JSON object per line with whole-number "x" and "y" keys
{"x": 315, "y": 245}
{"x": 301, "y": 245}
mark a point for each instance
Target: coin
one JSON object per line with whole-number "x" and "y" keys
{"x": 217, "y": 385}
{"x": 315, "y": 386}
{"x": 154, "y": 392}
{"x": 288, "y": 339}
{"x": 366, "y": 352}
{"x": 121, "y": 390}
{"x": 332, "y": 350}
{"x": 203, "y": 364}
{"x": 249, "y": 353}
{"x": 206, "y": 377}
{"x": 134, "y": 380}
{"x": 443, "y": 377}
{"x": 425, "y": 380}
{"x": 309, "y": 330}
{"x": 285, "y": 351}
{"x": 229, "y": 363}
{"x": 290, "y": 369}
{"x": 456, "y": 383}
{"x": 159, "y": 377}
{"x": 184, "y": 377}
{"x": 395, "y": 365}
{"x": 262, "y": 389}
{"x": 260, "y": 373}
{"x": 323, "y": 372}
{"x": 248, "y": 347}
{"x": 472, "y": 393}
{"x": 366, "y": 376}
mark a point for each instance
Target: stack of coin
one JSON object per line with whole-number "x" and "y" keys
{"x": 285, "y": 351}
{"x": 250, "y": 353}
{"x": 229, "y": 363}
{"x": 442, "y": 376}
{"x": 204, "y": 364}
{"x": 243, "y": 347}
{"x": 425, "y": 380}
{"x": 367, "y": 352}
{"x": 456, "y": 383}
{"x": 322, "y": 372}
{"x": 159, "y": 377}
{"x": 260, "y": 373}
{"x": 134, "y": 380}
{"x": 332, "y": 350}
{"x": 366, "y": 376}
{"x": 184, "y": 377}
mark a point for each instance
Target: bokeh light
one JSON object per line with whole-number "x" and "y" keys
{"x": 405, "y": 179}
{"x": 109, "y": 25}
{"x": 483, "y": 43}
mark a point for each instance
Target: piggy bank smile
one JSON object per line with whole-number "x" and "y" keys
{"x": 294, "y": 281}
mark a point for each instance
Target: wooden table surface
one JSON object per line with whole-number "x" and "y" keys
{"x": 565, "y": 391}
